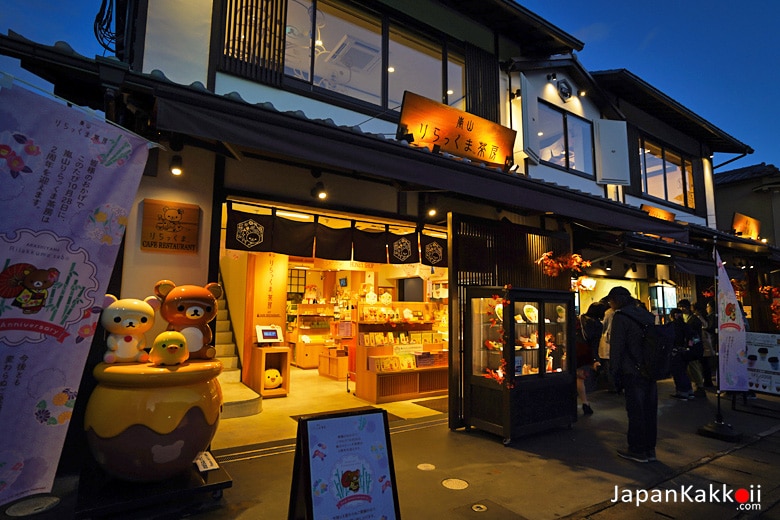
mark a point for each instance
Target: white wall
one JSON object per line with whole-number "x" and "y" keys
{"x": 143, "y": 269}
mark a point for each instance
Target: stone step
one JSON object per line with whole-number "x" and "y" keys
{"x": 223, "y": 325}
{"x": 238, "y": 400}
{"x": 225, "y": 349}
{"x": 228, "y": 361}
{"x": 229, "y": 375}
{"x": 222, "y": 338}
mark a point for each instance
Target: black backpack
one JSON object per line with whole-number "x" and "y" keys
{"x": 657, "y": 347}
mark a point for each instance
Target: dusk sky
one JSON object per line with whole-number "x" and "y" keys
{"x": 716, "y": 58}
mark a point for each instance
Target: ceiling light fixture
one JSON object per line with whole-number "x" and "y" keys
{"x": 175, "y": 165}
{"x": 319, "y": 192}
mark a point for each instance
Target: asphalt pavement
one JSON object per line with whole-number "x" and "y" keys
{"x": 724, "y": 472}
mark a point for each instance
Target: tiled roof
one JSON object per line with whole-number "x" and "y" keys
{"x": 746, "y": 173}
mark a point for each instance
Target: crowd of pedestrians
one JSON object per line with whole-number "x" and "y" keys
{"x": 609, "y": 341}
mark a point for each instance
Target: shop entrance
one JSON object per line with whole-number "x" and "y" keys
{"x": 378, "y": 330}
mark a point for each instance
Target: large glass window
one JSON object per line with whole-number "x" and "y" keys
{"x": 340, "y": 48}
{"x": 666, "y": 174}
{"x": 565, "y": 140}
{"x": 408, "y": 56}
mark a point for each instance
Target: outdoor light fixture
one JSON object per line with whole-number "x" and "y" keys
{"x": 319, "y": 192}
{"x": 515, "y": 94}
{"x": 582, "y": 92}
{"x": 564, "y": 90}
{"x": 608, "y": 265}
{"x": 176, "y": 165}
{"x": 552, "y": 77}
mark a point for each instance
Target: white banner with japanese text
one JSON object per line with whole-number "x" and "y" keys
{"x": 732, "y": 353}
{"x": 67, "y": 182}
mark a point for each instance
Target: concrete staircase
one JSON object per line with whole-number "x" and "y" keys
{"x": 238, "y": 399}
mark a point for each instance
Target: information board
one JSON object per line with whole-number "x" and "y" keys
{"x": 343, "y": 468}
{"x": 763, "y": 352}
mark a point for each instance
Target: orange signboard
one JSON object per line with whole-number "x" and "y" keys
{"x": 657, "y": 212}
{"x": 745, "y": 226}
{"x": 170, "y": 227}
{"x": 443, "y": 128}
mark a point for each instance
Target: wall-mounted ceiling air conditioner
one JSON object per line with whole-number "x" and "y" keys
{"x": 355, "y": 55}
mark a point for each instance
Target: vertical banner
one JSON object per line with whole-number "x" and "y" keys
{"x": 67, "y": 183}
{"x": 732, "y": 356}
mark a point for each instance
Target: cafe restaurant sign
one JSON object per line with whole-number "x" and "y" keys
{"x": 443, "y": 128}
{"x": 170, "y": 227}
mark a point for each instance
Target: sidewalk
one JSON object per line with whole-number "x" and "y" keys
{"x": 563, "y": 473}
{"x": 559, "y": 474}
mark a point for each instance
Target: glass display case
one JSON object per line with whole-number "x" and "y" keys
{"x": 517, "y": 346}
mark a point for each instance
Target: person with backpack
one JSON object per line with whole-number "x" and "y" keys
{"x": 627, "y": 336}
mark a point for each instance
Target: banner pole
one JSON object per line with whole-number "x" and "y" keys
{"x": 718, "y": 428}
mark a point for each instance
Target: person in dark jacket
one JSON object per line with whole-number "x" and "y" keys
{"x": 641, "y": 394}
{"x": 678, "y": 364}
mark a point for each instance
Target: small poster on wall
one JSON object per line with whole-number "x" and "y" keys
{"x": 343, "y": 468}
{"x": 170, "y": 227}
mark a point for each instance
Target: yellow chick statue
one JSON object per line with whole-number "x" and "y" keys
{"x": 169, "y": 348}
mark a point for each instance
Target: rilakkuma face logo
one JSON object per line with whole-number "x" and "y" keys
{"x": 250, "y": 233}
{"x": 434, "y": 253}
{"x": 170, "y": 219}
{"x": 402, "y": 249}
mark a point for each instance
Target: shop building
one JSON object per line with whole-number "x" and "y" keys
{"x": 264, "y": 104}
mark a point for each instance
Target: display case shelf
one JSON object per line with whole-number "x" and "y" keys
{"x": 398, "y": 341}
{"x": 518, "y": 380}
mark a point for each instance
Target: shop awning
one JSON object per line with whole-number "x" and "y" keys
{"x": 321, "y": 143}
{"x": 702, "y": 268}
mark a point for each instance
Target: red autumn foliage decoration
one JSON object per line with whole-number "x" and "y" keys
{"x": 554, "y": 266}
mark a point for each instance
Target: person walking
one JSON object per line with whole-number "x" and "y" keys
{"x": 695, "y": 371}
{"x": 709, "y": 340}
{"x": 641, "y": 393}
{"x": 588, "y": 333}
{"x": 678, "y": 364}
{"x": 603, "y": 350}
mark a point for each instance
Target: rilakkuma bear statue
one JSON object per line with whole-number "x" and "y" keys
{"x": 273, "y": 379}
{"x": 188, "y": 309}
{"x": 169, "y": 348}
{"x": 127, "y": 321}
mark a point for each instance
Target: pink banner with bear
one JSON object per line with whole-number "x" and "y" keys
{"x": 67, "y": 182}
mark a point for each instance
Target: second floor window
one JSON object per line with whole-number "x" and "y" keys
{"x": 332, "y": 46}
{"x": 666, "y": 174}
{"x": 565, "y": 140}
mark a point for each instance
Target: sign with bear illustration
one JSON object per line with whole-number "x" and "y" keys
{"x": 170, "y": 227}
{"x": 343, "y": 468}
{"x": 68, "y": 181}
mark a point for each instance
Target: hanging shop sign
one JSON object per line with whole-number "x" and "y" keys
{"x": 170, "y": 227}
{"x": 746, "y": 227}
{"x": 443, "y": 128}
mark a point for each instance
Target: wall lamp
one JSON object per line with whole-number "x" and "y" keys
{"x": 631, "y": 265}
{"x": 319, "y": 191}
{"x": 552, "y": 77}
{"x": 607, "y": 265}
{"x": 515, "y": 94}
{"x": 175, "y": 166}
{"x": 564, "y": 90}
